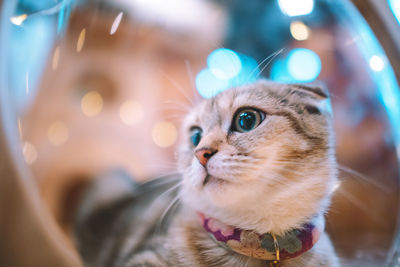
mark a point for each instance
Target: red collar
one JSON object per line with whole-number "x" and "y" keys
{"x": 265, "y": 246}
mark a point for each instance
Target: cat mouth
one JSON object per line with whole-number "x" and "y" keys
{"x": 209, "y": 179}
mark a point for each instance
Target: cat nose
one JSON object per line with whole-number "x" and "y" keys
{"x": 204, "y": 154}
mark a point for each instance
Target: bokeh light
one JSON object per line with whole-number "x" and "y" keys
{"x": 56, "y": 58}
{"x": 224, "y": 63}
{"x": 299, "y": 30}
{"x": 303, "y": 65}
{"x": 300, "y": 65}
{"x": 81, "y": 40}
{"x": 30, "y": 153}
{"x": 226, "y": 69}
{"x": 296, "y": 7}
{"x": 18, "y": 20}
{"x": 131, "y": 112}
{"x": 92, "y": 103}
{"x": 164, "y": 134}
{"x": 208, "y": 85}
{"x": 58, "y": 133}
{"x": 279, "y": 71}
{"x": 116, "y": 23}
{"x": 376, "y": 63}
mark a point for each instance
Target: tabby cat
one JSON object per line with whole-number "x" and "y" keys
{"x": 257, "y": 168}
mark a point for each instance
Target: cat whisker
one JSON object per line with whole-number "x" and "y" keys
{"x": 272, "y": 57}
{"x": 360, "y": 205}
{"x": 285, "y": 169}
{"x": 275, "y": 177}
{"x": 350, "y": 172}
{"x": 197, "y": 97}
{"x": 169, "y": 190}
{"x": 178, "y": 87}
{"x": 166, "y": 179}
{"x": 176, "y": 105}
{"x": 168, "y": 210}
{"x": 176, "y": 117}
{"x": 364, "y": 178}
{"x": 171, "y": 166}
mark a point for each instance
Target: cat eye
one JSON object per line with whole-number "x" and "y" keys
{"x": 247, "y": 119}
{"x": 195, "y": 135}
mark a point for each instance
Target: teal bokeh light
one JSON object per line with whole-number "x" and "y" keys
{"x": 224, "y": 63}
{"x": 225, "y": 69}
{"x": 304, "y": 65}
{"x": 208, "y": 85}
{"x": 300, "y": 65}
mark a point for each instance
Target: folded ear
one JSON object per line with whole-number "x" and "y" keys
{"x": 317, "y": 88}
{"x": 319, "y": 92}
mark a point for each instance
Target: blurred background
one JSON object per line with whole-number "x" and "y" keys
{"x": 100, "y": 85}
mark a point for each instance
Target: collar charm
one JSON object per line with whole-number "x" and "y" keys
{"x": 265, "y": 246}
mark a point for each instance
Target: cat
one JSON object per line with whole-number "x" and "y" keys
{"x": 257, "y": 170}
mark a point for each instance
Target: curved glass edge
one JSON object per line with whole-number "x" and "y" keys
{"x": 387, "y": 87}
{"x": 388, "y": 93}
{"x": 395, "y": 7}
{"x": 41, "y": 227}
{"x": 385, "y": 79}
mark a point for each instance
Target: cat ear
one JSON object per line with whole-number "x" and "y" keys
{"x": 317, "y": 88}
{"x": 319, "y": 91}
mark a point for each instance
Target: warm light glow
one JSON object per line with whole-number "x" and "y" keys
{"x": 81, "y": 40}
{"x": 92, "y": 103}
{"x": 299, "y": 30}
{"x": 19, "y": 128}
{"x": 376, "y": 63}
{"x": 164, "y": 134}
{"x": 30, "y": 153}
{"x": 131, "y": 112}
{"x": 336, "y": 186}
{"x": 27, "y": 83}
{"x": 116, "y": 23}
{"x": 56, "y": 58}
{"x": 296, "y": 7}
{"x": 58, "y": 133}
{"x": 18, "y": 20}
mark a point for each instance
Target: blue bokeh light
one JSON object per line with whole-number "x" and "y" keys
{"x": 395, "y": 7}
{"x": 249, "y": 72}
{"x": 224, "y": 63}
{"x": 226, "y": 69}
{"x": 208, "y": 85}
{"x": 300, "y": 65}
{"x": 303, "y": 64}
{"x": 279, "y": 71}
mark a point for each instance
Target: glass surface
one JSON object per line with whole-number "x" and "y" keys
{"x": 99, "y": 85}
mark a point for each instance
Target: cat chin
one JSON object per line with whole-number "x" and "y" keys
{"x": 233, "y": 205}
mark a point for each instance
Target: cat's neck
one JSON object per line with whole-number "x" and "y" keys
{"x": 201, "y": 248}
{"x": 265, "y": 246}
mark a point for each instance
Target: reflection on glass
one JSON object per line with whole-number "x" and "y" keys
{"x": 395, "y": 7}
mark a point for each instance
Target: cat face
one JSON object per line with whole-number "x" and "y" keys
{"x": 260, "y": 156}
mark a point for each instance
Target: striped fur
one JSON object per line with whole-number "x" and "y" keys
{"x": 271, "y": 179}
